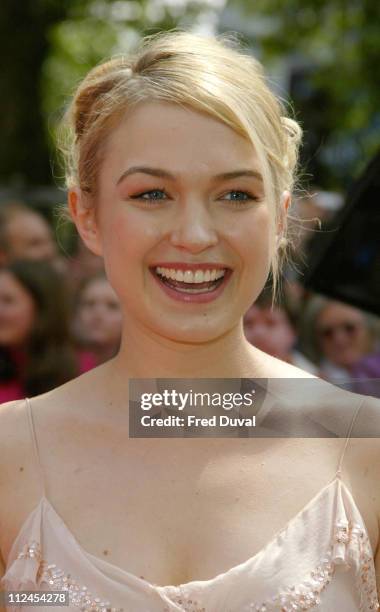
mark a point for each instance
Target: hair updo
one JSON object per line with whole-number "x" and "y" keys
{"x": 211, "y": 75}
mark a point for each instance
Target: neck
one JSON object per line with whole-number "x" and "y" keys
{"x": 144, "y": 355}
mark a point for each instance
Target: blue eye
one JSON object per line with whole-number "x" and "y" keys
{"x": 241, "y": 202}
{"x": 244, "y": 193}
{"x": 139, "y": 196}
{"x": 153, "y": 193}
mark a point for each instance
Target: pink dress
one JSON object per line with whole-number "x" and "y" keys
{"x": 321, "y": 560}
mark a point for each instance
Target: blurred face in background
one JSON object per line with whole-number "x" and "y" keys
{"x": 99, "y": 316}
{"x": 269, "y": 330}
{"x": 29, "y": 236}
{"x": 17, "y": 311}
{"x": 342, "y": 334}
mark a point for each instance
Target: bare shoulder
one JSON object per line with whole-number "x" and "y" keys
{"x": 15, "y": 464}
{"x": 53, "y": 413}
{"x": 272, "y": 367}
{"x": 14, "y": 448}
{"x": 300, "y": 394}
{"x": 362, "y": 458}
{"x": 331, "y": 406}
{"x": 365, "y": 442}
{"x": 338, "y": 411}
{"x": 13, "y": 434}
{"x": 341, "y": 413}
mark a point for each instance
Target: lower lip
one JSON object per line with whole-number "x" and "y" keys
{"x": 194, "y": 298}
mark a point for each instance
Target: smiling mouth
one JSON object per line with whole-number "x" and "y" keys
{"x": 190, "y": 282}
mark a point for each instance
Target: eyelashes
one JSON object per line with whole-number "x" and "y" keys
{"x": 249, "y": 197}
{"x": 139, "y": 196}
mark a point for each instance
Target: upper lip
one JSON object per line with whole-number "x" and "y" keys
{"x": 180, "y": 265}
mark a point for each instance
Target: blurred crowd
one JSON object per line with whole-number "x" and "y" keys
{"x": 326, "y": 337}
{"x": 59, "y": 316}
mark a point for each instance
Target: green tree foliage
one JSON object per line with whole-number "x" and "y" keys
{"x": 23, "y": 26}
{"x": 47, "y": 46}
{"x": 340, "y": 41}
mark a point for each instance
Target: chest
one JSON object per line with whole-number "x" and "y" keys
{"x": 174, "y": 511}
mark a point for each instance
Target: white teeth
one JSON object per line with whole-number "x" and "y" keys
{"x": 188, "y": 276}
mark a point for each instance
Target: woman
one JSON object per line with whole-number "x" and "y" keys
{"x": 97, "y": 324}
{"x": 344, "y": 342}
{"x": 274, "y": 330}
{"x": 25, "y": 234}
{"x": 36, "y": 350}
{"x": 182, "y": 162}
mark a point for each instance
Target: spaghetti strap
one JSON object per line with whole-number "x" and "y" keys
{"x": 35, "y": 444}
{"x": 338, "y": 472}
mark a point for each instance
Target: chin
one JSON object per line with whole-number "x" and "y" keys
{"x": 194, "y": 334}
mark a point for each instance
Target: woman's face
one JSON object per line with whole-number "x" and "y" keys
{"x": 180, "y": 215}
{"x": 17, "y": 311}
{"x": 30, "y": 237}
{"x": 342, "y": 334}
{"x": 269, "y": 330}
{"x": 99, "y": 314}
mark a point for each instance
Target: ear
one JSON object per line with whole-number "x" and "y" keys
{"x": 84, "y": 216}
{"x": 285, "y": 204}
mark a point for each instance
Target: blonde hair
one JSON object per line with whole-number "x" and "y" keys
{"x": 212, "y": 75}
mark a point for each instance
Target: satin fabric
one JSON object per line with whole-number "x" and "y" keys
{"x": 329, "y": 530}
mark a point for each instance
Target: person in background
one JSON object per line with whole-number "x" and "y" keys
{"x": 344, "y": 341}
{"x": 82, "y": 265}
{"x": 24, "y": 234}
{"x": 36, "y": 352}
{"x": 189, "y": 238}
{"x": 98, "y": 320}
{"x": 272, "y": 330}
{"x": 312, "y": 212}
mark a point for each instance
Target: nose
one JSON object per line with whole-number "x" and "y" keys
{"x": 193, "y": 228}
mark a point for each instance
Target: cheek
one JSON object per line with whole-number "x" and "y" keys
{"x": 114, "y": 325}
{"x": 29, "y": 315}
{"x": 109, "y": 319}
{"x": 251, "y": 240}
{"x": 85, "y": 316}
{"x": 120, "y": 250}
{"x": 114, "y": 317}
{"x": 129, "y": 238}
{"x": 127, "y": 245}
{"x": 327, "y": 348}
{"x": 22, "y": 319}
{"x": 363, "y": 340}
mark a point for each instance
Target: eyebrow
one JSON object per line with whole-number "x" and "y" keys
{"x": 168, "y": 175}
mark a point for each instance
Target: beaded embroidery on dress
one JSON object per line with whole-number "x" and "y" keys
{"x": 321, "y": 560}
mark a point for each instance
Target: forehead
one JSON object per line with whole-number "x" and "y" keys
{"x": 336, "y": 311}
{"x": 26, "y": 224}
{"x": 10, "y": 282}
{"x": 169, "y": 135}
{"x": 98, "y": 286}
